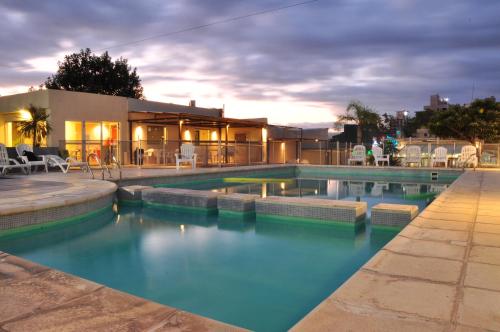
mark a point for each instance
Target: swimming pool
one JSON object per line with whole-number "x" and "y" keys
{"x": 262, "y": 275}
{"x": 411, "y": 191}
{"x": 258, "y": 275}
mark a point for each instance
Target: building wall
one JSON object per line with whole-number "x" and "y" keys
{"x": 153, "y": 106}
{"x": 10, "y": 105}
{"x": 89, "y": 107}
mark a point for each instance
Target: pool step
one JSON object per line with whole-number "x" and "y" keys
{"x": 181, "y": 198}
{"x": 326, "y": 210}
{"x": 240, "y": 203}
{"x": 393, "y": 214}
{"x": 132, "y": 193}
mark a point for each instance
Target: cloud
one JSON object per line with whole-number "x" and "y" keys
{"x": 311, "y": 59}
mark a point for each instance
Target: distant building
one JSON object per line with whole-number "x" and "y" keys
{"x": 437, "y": 104}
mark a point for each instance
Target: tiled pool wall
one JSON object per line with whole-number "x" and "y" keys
{"x": 437, "y": 175}
{"x": 35, "y": 219}
{"x": 211, "y": 174}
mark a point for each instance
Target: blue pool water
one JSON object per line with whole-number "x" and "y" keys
{"x": 259, "y": 275}
{"x": 413, "y": 192}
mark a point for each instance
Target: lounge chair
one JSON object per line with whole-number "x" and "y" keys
{"x": 440, "y": 156}
{"x": 65, "y": 164}
{"x": 7, "y": 163}
{"x": 21, "y": 150}
{"x": 379, "y": 156}
{"x": 358, "y": 155}
{"x": 413, "y": 155}
{"x": 468, "y": 156}
{"x": 187, "y": 155}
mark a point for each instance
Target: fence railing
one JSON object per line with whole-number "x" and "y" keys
{"x": 222, "y": 153}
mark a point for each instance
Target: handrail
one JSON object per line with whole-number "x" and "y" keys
{"x": 101, "y": 165}
{"x": 117, "y": 163}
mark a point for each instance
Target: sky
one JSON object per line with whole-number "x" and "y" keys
{"x": 297, "y": 66}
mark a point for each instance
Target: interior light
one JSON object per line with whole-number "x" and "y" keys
{"x": 187, "y": 135}
{"x": 139, "y": 133}
{"x": 264, "y": 135}
{"x": 213, "y": 136}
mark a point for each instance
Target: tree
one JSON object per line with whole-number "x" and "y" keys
{"x": 87, "y": 72}
{"x": 478, "y": 121}
{"x": 362, "y": 115}
{"x": 37, "y": 126}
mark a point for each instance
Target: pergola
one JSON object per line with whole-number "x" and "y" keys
{"x": 170, "y": 118}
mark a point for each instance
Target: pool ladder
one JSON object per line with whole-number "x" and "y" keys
{"x": 103, "y": 167}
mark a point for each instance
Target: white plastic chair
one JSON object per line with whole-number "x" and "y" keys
{"x": 379, "y": 156}
{"x": 413, "y": 155}
{"x": 20, "y": 148}
{"x": 356, "y": 189}
{"x": 468, "y": 156}
{"x": 358, "y": 155}
{"x": 7, "y": 163}
{"x": 411, "y": 189}
{"x": 378, "y": 188}
{"x": 440, "y": 156}
{"x": 187, "y": 155}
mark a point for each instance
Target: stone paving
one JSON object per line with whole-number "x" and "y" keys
{"x": 31, "y": 193}
{"x": 441, "y": 273}
{"x": 37, "y": 298}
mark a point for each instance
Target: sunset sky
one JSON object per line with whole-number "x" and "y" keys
{"x": 299, "y": 65}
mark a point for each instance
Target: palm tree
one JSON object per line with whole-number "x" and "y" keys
{"x": 362, "y": 115}
{"x": 37, "y": 126}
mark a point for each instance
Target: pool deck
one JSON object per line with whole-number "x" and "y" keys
{"x": 36, "y": 298}
{"x": 441, "y": 273}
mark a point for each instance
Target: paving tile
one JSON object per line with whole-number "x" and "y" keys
{"x": 102, "y": 310}
{"x": 448, "y": 216}
{"x": 463, "y": 328}
{"x": 333, "y": 316}
{"x": 184, "y": 321}
{"x": 441, "y": 224}
{"x": 483, "y": 276}
{"x": 15, "y": 268}
{"x": 425, "y": 248}
{"x": 421, "y": 298}
{"x": 480, "y": 308}
{"x": 487, "y": 228}
{"x": 434, "y": 269}
{"x": 490, "y": 255}
{"x": 486, "y": 239}
{"x": 433, "y": 234}
{"x": 488, "y": 211}
{"x": 40, "y": 291}
{"x": 488, "y": 220}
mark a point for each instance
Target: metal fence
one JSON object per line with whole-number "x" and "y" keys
{"x": 162, "y": 153}
{"x": 232, "y": 153}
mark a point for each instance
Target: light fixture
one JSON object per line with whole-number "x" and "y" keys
{"x": 25, "y": 115}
